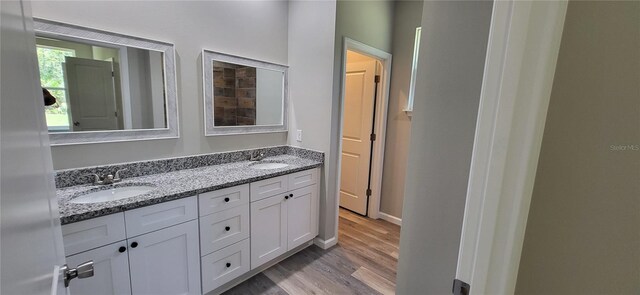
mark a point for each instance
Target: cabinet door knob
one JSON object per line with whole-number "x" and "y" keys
{"x": 290, "y": 195}
{"x": 122, "y": 249}
{"x": 226, "y": 200}
{"x": 227, "y": 228}
{"x": 228, "y": 264}
{"x": 286, "y": 197}
{"x": 134, "y": 244}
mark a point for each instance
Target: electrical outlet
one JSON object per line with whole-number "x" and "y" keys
{"x": 299, "y": 135}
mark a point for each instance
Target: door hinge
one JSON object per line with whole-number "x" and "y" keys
{"x": 116, "y": 112}
{"x": 368, "y": 192}
{"x": 460, "y": 288}
{"x": 377, "y": 79}
{"x": 372, "y": 137}
{"x": 113, "y": 74}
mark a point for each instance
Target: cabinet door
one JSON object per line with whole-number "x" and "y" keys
{"x": 166, "y": 261}
{"x": 268, "y": 230}
{"x": 111, "y": 271}
{"x": 302, "y": 216}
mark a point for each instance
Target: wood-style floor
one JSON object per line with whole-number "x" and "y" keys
{"x": 363, "y": 262}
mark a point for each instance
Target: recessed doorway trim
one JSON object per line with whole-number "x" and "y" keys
{"x": 380, "y": 124}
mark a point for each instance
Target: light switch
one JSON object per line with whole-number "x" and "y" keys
{"x": 299, "y": 135}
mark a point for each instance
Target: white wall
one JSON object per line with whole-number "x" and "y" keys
{"x": 255, "y": 29}
{"x": 583, "y": 229}
{"x": 311, "y": 47}
{"x": 408, "y": 16}
{"x": 450, "y": 69}
{"x": 268, "y": 97}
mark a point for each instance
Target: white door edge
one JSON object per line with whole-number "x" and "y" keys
{"x": 523, "y": 46}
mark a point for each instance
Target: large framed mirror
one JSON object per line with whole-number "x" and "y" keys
{"x": 243, "y": 95}
{"x": 100, "y": 86}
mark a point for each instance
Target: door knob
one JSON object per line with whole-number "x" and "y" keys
{"x": 82, "y": 271}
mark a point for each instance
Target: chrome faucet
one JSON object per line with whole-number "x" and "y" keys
{"x": 107, "y": 179}
{"x": 256, "y": 155}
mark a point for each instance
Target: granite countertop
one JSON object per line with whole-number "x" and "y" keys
{"x": 175, "y": 185}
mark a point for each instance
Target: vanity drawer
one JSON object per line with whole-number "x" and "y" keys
{"x": 158, "y": 216}
{"x": 220, "y": 200}
{"x": 269, "y": 187}
{"x": 223, "y": 229}
{"x": 225, "y": 265}
{"x": 303, "y": 178}
{"x": 93, "y": 233}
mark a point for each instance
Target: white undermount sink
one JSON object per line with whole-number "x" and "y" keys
{"x": 112, "y": 194}
{"x": 268, "y": 165}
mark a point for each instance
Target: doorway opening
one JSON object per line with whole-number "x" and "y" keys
{"x": 365, "y": 96}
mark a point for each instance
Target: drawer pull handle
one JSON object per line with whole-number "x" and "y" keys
{"x": 228, "y": 264}
{"x": 227, "y": 228}
{"x": 122, "y": 249}
{"x": 134, "y": 244}
{"x": 226, "y": 200}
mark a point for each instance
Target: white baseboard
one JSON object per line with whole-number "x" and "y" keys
{"x": 390, "y": 218}
{"x": 325, "y": 244}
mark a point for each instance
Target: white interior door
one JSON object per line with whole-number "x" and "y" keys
{"x": 91, "y": 94}
{"x": 30, "y": 236}
{"x": 356, "y": 145}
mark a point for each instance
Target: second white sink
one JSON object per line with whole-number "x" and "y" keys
{"x": 112, "y": 194}
{"x": 264, "y": 166}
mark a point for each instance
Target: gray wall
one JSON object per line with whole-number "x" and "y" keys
{"x": 583, "y": 229}
{"x": 311, "y": 37}
{"x": 453, "y": 47}
{"x": 408, "y": 15}
{"x": 261, "y": 33}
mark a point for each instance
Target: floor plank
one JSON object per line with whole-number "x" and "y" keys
{"x": 375, "y": 281}
{"x": 363, "y": 262}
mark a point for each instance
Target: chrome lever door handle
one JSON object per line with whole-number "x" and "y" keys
{"x": 82, "y": 271}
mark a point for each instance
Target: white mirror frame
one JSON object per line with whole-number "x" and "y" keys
{"x": 207, "y": 73}
{"x": 56, "y": 29}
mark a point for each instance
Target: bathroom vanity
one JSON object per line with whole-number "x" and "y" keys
{"x": 200, "y": 229}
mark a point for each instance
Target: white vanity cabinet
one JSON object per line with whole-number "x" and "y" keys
{"x": 286, "y": 220}
{"x": 159, "y": 254}
{"x": 198, "y": 244}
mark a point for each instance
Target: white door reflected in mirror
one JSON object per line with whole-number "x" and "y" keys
{"x": 96, "y": 86}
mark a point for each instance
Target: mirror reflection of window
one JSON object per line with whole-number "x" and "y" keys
{"x": 101, "y": 87}
{"x": 50, "y": 62}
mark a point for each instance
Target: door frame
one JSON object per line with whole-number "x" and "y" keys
{"x": 524, "y": 41}
{"x": 380, "y": 128}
